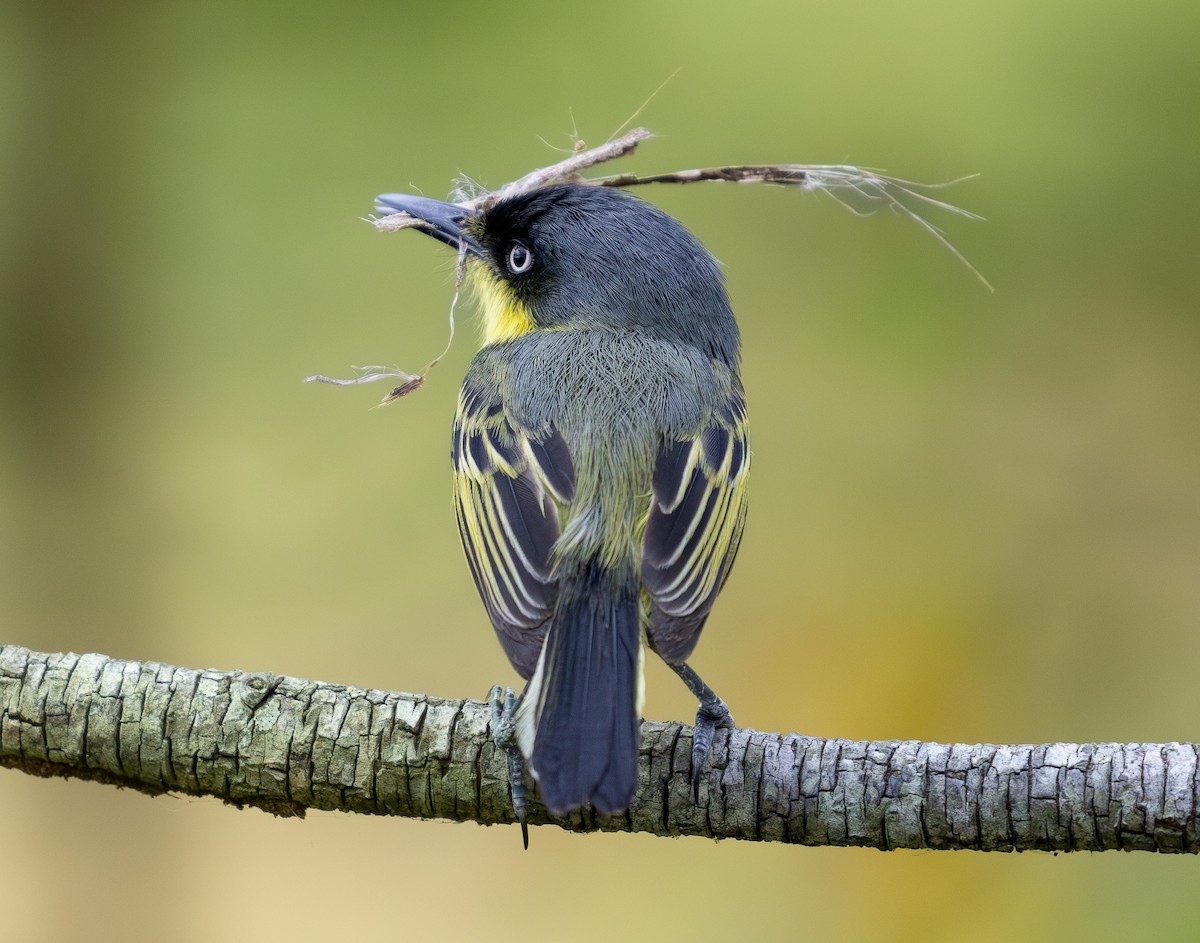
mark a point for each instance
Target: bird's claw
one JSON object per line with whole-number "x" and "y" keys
{"x": 504, "y": 725}
{"x": 713, "y": 713}
{"x": 708, "y": 718}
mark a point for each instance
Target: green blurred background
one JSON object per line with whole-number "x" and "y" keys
{"x": 975, "y": 516}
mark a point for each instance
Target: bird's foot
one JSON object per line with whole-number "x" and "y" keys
{"x": 707, "y": 722}
{"x": 713, "y": 713}
{"x": 504, "y": 730}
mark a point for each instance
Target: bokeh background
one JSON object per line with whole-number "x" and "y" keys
{"x": 975, "y": 516}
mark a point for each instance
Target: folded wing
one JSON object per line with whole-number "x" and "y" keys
{"x": 510, "y": 483}
{"x": 694, "y": 528}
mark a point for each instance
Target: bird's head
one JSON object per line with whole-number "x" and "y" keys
{"x": 584, "y": 257}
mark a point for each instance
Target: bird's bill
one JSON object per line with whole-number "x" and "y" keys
{"x": 443, "y": 221}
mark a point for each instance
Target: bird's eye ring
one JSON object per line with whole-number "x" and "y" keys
{"x": 520, "y": 259}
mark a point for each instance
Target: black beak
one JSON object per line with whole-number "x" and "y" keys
{"x": 443, "y": 221}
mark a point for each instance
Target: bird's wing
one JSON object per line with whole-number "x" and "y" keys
{"x": 694, "y": 527}
{"x": 509, "y": 484}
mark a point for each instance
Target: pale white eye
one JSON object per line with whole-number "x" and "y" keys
{"x": 520, "y": 259}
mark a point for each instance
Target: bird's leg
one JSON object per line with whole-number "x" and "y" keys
{"x": 504, "y": 729}
{"x": 713, "y": 713}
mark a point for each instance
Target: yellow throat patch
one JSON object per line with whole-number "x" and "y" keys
{"x": 504, "y": 317}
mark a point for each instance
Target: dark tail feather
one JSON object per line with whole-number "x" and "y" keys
{"x": 586, "y": 741}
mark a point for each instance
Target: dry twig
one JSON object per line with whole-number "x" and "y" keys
{"x": 861, "y": 190}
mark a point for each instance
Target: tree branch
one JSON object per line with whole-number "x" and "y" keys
{"x": 287, "y": 745}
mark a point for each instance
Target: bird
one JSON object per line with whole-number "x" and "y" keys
{"x": 601, "y": 457}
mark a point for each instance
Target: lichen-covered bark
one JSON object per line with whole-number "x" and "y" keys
{"x": 287, "y": 745}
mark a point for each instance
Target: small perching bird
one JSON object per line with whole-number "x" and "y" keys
{"x": 600, "y": 462}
